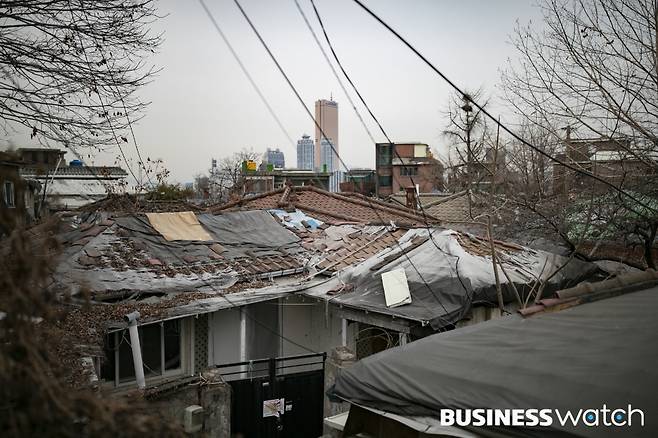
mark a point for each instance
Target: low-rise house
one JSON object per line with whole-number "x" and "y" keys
{"x": 449, "y": 274}
{"x": 581, "y": 351}
{"x": 263, "y": 181}
{"x": 17, "y": 194}
{"x": 402, "y": 165}
{"x": 69, "y": 185}
{"x": 616, "y": 160}
{"x": 361, "y": 181}
{"x": 279, "y": 280}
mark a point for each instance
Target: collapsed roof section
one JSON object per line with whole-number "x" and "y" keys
{"x": 447, "y": 271}
{"x": 332, "y": 208}
{"x": 123, "y": 257}
{"x": 126, "y": 256}
{"x": 592, "y": 353}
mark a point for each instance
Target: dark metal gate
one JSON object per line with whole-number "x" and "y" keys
{"x": 279, "y": 397}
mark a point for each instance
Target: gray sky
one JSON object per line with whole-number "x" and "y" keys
{"x": 203, "y": 106}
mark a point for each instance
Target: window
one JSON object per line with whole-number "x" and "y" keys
{"x": 385, "y": 180}
{"x": 8, "y": 194}
{"x": 161, "y": 352}
{"x": 420, "y": 151}
{"x": 408, "y": 171}
{"x": 384, "y": 154}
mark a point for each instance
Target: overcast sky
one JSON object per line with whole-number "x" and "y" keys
{"x": 203, "y": 106}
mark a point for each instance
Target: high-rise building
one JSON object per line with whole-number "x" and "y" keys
{"x": 305, "y": 153}
{"x": 328, "y": 159}
{"x": 275, "y": 157}
{"x": 326, "y": 116}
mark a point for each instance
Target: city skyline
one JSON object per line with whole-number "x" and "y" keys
{"x": 206, "y": 116}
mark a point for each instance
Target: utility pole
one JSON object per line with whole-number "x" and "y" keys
{"x": 469, "y": 153}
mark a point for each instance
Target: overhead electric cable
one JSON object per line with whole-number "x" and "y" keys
{"x": 502, "y": 126}
{"x": 292, "y": 87}
{"x": 333, "y": 70}
{"x": 246, "y": 72}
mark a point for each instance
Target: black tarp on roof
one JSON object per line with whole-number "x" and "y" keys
{"x": 604, "y": 352}
{"x": 241, "y": 234}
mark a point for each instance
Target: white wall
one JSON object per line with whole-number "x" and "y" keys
{"x": 300, "y": 319}
{"x": 304, "y": 321}
{"x": 223, "y": 337}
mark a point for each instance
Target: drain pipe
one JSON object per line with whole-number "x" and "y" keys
{"x": 131, "y": 319}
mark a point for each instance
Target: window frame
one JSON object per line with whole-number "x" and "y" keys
{"x": 9, "y": 194}
{"x": 388, "y": 178}
{"x": 185, "y": 355}
{"x": 409, "y": 170}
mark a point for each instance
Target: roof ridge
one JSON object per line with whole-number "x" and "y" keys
{"x": 446, "y": 199}
{"x": 220, "y": 207}
{"x": 588, "y": 292}
{"x": 409, "y": 214}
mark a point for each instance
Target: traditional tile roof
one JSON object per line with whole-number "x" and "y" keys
{"x": 129, "y": 203}
{"x": 445, "y": 207}
{"x": 329, "y": 207}
{"x": 357, "y": 247}
{"x": 75, "y": 171}
{"x": 123, "y": 255}
{"x": 453, "y": 208}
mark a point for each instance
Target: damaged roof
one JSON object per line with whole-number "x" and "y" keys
{"x": 333, "y": 208}
{"x": 594, "y": 353}
{"x": 124, "y": 256}
{"x": 448, "y": 272}
{"x": 446, "y": 207}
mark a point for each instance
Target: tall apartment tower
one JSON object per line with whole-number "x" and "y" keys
{"x": 326, "y": 115}
{"x": 275, "y": 157}
{"x": 305, "y": 153}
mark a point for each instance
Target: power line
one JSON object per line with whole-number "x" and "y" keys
{"x": 233, "y": 306}
{"x": 246, "y": 72}
{"x": 333, "y": 70}
{"x": 392, "y": 145}
{"x": 468, "y": 98}
{"x": 283, "y": 73}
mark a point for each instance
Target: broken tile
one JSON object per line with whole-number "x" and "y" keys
{"x": 154, "y": 262}
{"x": 93, "y": 231}
{"x": 139, "y": 245}
{"x": 87, "y": 261}
{"x": 91, "y": 252}
{"x": 217, "y": 248}
{"x": 85, "y": 226}
{"x": 82, "y": 242}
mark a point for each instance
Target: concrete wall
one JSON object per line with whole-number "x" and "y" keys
{"x": 210, "y": 393}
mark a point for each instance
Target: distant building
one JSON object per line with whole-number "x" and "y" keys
{"x": 328, "y": 158}
{"x": 326, "y": 117}
{"x": 359, "y": 181}
{"x": 263, "y": 181}
{"x": 69, "y": 185}
{"x": 399, "y": 166}
{"x": 305, "y": 153}
{"x": 274, "y": 157}
{"x": 17, "y": 195}
{"x": 615, "y": 159}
